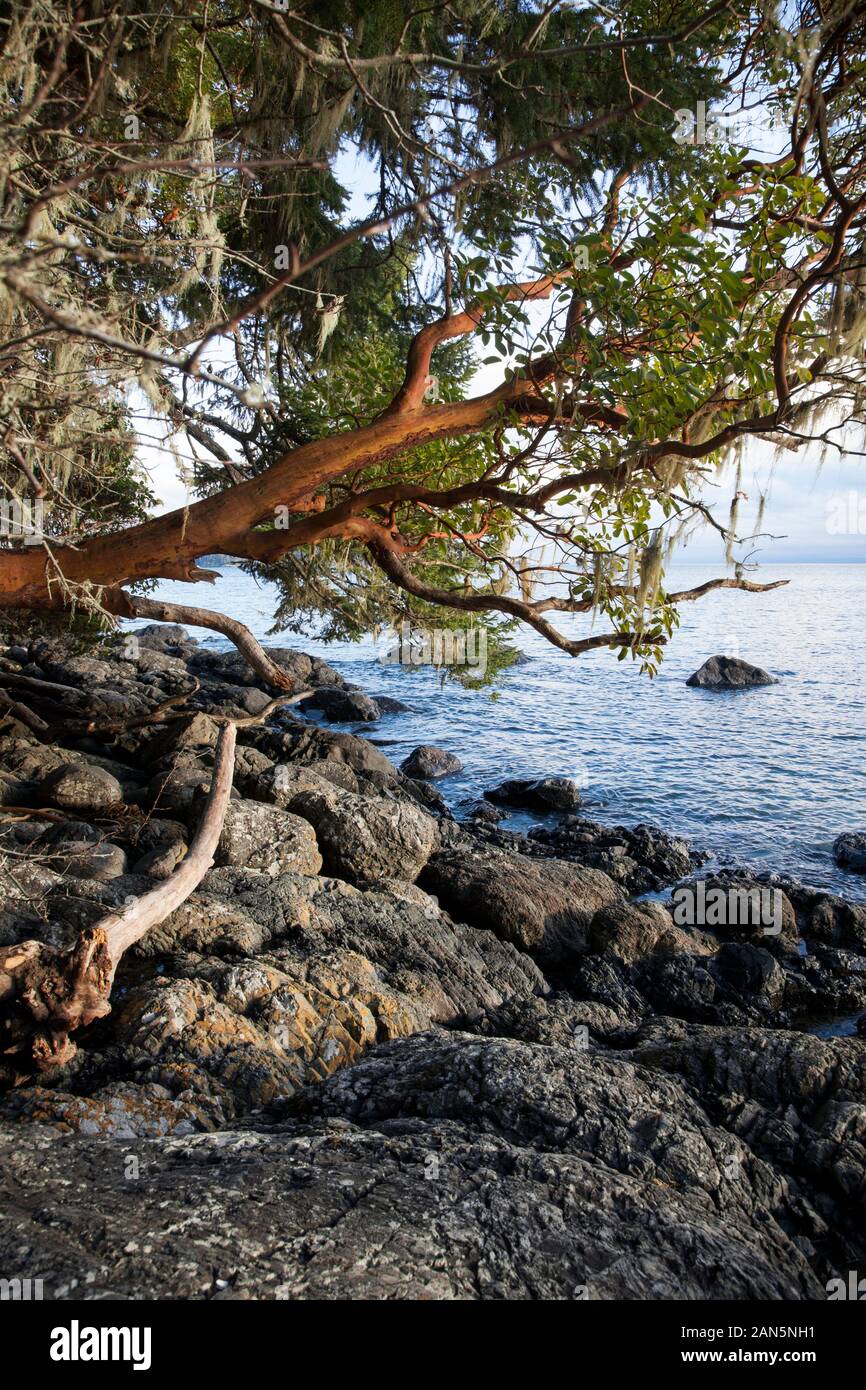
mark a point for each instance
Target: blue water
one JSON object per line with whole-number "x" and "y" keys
{"x": 764, "y": 777}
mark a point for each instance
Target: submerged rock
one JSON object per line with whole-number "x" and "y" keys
{"x": 730, "y": 673}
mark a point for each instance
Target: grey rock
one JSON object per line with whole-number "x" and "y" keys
{"x": 161, "y": 861}
{"x": 730, "y": 673}
{"x": 366, "y": 840}
{"x": 308, "y": 744}
{"x": 82, "y": 787}
{"x": 630, "y": 932}
{"x": 343, "y": 706}
{"x": 641, "y": 858}
{"x": 486, "y": 812}
{"x": 540, "y": 793}
{"x": 544, "y": 907}
{"x": 440, "y": 1167}
{"x": 156, "y": 832}
{"x": 427, "y": 761}
{"x": 849, "y": 851}
{"x": 256, "y": 836}
{"x": 86, "y": 859}
{"x": 192, "y": 731}
{"x": 389, "y": 705}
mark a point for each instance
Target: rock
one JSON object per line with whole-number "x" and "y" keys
{"x": 166, "y": 637}
{"x": 343, "y": 706}
{"x": 849, "y": 851}
{"x": 544, "y": 907}
{"x": 749, "y": 970}
{"x": 193, "y": 731}
{"x": 540, "y": 793}
{"x": 440, "y": 1167}
{"x": 629, "y": 932}
{"x": 180, "y": 790}
{"x": 757, "y": 911}
{"x": 82, "y": 787}
{"x": 729, "y": 673}
{"x": 252, "y": 769}
{"x": 827, "y": 918}
{"x": 366, "y": 840}
{"x": 54, "y": 836}
{"x": 84, "y": 858}
{"x": 118, "y": 1111}
{"x": 552, "y": 1020}
{"x": 388, "y": 705}
{"x": 162, "y": 861}
{"x": 256, "y": 836}
{"x": 256, "y": 986}
{"x": 155, "y": 833}
{"x": 308, "y": 744}
{"x": 485, "y": 812}
{"x": 795, "y": 1099}
{"x": 429, "y": 762}
{"x": 641, "y": 859}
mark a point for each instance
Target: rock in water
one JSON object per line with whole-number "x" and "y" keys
{"x": 541, "y": 793}
{"x": 429, "y": 762}
{"x": 849, "y": 851}
{"x": 730, "y": 673}
{"x": 343, "y": 706}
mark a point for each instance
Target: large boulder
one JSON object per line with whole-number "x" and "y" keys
{"x": 730, "y": 673}
{"x": 367, "y": 839}
{"x": 428, "y": 762}
{"x": 307, "y": 743}
{"x": 257, "y": 836}
{"x": 543, "y": 906}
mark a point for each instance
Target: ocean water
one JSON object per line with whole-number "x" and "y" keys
{"x": 766, "y": 777}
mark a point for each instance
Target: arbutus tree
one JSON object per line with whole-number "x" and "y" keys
{"x": 647, "y": 290}
{"x": 173, "y": 222}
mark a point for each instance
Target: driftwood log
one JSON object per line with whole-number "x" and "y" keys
{"x": 46, "y": 993}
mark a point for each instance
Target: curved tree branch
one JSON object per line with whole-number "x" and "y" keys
{"x": 46, "y": 994}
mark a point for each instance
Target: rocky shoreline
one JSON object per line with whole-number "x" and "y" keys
{"x": 381, "y": 1053}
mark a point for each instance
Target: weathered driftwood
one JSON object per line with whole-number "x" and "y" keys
{"x": 46, "y": 994}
